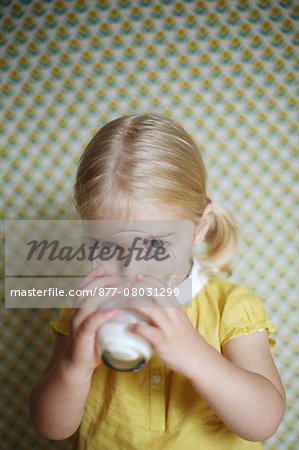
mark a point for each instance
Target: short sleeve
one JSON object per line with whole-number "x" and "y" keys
{"x": 61, "y": 325}
{"x": 243, "y": 313}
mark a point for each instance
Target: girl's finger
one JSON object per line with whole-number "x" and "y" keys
{"x": 152, "y": 334}
{"x": 160, "y": 309}
{"x": 106, "y": 286}
{"x": 157, "y": 316}
{"x": 90, "y": 324}
{"x": 96, "y": 272}
{"x": 160, "y": 294}
{"x": 86, "y": 305}
{"x": 161, "y": 312}
{"x": 97, "y": 287}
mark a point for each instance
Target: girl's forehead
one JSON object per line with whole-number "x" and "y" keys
{"x": 147, "y": 228}
{"x": 141, "y": 210}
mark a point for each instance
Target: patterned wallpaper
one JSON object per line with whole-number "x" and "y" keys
{"x": 226, "y": 70}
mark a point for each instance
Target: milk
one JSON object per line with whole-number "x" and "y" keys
{"x": 119, "y": 348}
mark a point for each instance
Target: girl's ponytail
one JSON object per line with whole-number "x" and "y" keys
{"x": 221, "y": 241}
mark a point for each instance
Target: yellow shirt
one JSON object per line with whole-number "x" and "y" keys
{"x": 156, "y": 408}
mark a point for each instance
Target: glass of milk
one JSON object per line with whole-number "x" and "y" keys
{"x": 128, "y": 253}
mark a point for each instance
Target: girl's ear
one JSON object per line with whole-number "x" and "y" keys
{"x": 203, "y": 225}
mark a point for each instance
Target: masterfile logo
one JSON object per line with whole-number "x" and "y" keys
{"x": 46, "y": 260}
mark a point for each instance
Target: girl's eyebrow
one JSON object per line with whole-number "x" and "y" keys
{"x": 152, "y": 236}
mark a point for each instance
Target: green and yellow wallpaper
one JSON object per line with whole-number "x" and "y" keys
{"x": 226, "y": 70}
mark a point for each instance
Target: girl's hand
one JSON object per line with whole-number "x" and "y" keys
{"x": 171, "y": 334}
{"x": 84, "y": 321}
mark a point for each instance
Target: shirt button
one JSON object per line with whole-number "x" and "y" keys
{"x": 156, "y": 379}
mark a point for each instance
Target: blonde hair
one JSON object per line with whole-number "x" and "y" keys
{"x": 151, "y": 156}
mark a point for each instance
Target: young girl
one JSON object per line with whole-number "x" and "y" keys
{"x": 211, "y": 382}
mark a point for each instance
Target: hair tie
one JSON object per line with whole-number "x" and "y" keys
{"x": 209, "y": 200}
